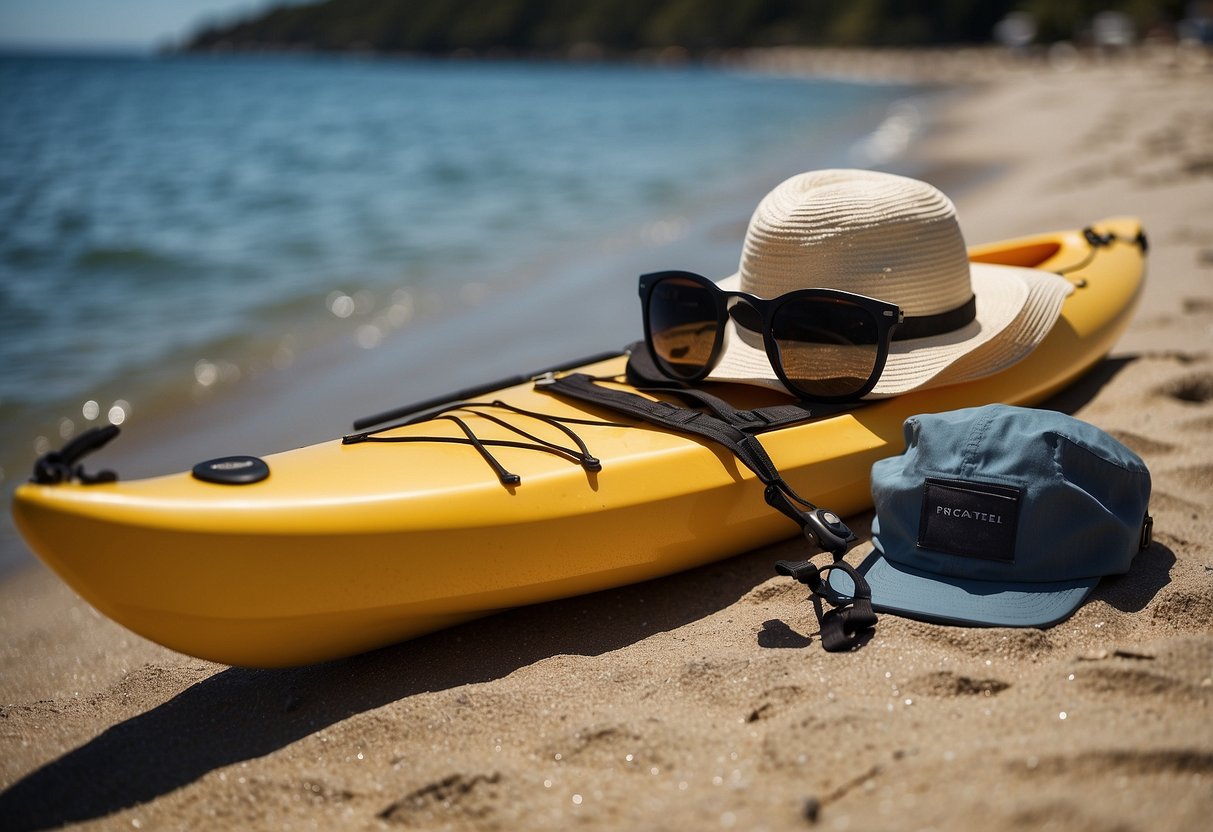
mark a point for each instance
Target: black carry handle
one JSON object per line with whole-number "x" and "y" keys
{"x": 59, "y": 466}
{"x": 478, "y": 390}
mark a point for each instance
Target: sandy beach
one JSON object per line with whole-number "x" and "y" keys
{"x": 704, "y": 700}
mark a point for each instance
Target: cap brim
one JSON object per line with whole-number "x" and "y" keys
{"x": 901, "y": 590}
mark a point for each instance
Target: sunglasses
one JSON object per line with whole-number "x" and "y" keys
{"x": 825, "y": 345}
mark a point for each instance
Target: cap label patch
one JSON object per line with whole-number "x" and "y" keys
{"x": 970, "y": 519}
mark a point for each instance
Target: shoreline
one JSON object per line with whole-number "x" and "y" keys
{"x": 966, "y": 66}
{"x": 466, "y": 330}
{"x": 651, "y": 705}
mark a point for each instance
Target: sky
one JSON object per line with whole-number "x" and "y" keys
{"x": 112, "y": 24}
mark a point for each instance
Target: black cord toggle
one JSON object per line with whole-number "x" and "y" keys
{"x": 61, "y": 466}
{"x": 822, "y": 527}
{"x": 826, "y": 529}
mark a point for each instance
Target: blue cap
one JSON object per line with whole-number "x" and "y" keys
{"x": 1001, "y": 516}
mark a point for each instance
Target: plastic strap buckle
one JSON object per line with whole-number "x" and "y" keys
{"x": 803, "y": 571}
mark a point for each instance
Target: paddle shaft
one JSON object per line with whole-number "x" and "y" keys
{"x": 478, "y": 390}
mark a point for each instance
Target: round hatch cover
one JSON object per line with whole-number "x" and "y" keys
{"x": 232, "y": 470}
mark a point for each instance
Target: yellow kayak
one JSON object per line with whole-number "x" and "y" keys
{"x": 347, "y": 547}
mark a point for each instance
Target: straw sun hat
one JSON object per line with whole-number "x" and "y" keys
{"x": 896, "y": 239}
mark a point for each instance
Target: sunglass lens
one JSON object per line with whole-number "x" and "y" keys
{"x": 683, "y": 325}
{"x": 827, "y": 348}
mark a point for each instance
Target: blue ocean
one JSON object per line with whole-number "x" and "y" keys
{"x": 173, "y": 227}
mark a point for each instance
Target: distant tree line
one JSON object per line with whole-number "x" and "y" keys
{"x": 625, "y": 26}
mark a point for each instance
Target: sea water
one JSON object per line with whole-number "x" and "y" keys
{"x": 172, "y": 225}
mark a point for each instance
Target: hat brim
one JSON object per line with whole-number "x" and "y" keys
{"x": 942, "y": 599}
{"x": 1016, "y": 308}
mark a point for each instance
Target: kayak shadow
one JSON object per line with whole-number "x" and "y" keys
{"x": 240, "y": 714}
{"x": 1083, "y": 390}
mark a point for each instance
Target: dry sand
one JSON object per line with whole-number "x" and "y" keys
{"x": 704, "y": 700}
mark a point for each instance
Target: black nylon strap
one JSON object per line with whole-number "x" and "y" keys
{"x": 745, "y": 446}
{"x": 642, "y": 373}
{"x": 663, "y": 414}
{"x": 842, "y": 627}
{"x": 822, "y": 527}
{"x": 846, "y": 624}
{"x": 804, "y": 571}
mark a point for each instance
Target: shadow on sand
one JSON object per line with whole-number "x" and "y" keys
{"x": 240, "y": 714}
{"x": 1087, "y": 387}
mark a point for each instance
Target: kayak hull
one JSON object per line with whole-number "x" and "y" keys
{"x": 345, "y": 548}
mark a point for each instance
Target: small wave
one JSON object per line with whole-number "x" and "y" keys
{"x": 109, "y": 257}
{"x": 21, "y": 255}
{"x": 448, "y": 173}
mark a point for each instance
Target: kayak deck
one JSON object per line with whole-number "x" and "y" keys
{"x": 348, "y": 547}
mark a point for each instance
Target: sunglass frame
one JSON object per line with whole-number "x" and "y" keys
{"x": 886, "y": 315}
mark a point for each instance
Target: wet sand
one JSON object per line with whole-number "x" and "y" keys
{"x": 704, "y": 700}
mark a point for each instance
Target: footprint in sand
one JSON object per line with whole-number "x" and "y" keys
{"x": 1133, "y": 681}
{"x": 1203, "y": 424}
{"x": 456, "y": 797}
{"x": 1197, "y": 479}
{"x": 616, "y": 747}
{"x": 1163, "y": 502}
{"x": 775, "y": 701}
{"x": 1200, "y": 306}
{"x": 1141, "y": 445}
{"x": 946, "y": 683}
{"x": 1194, "y": 388}
{"x": 1144, "y": 762}
{"x": 1023, "y": 643}
{"x": 1185, "y": 610}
